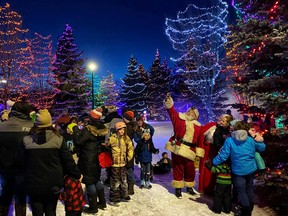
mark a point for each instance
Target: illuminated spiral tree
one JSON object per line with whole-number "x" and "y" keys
{"x": 70, "y": 83}
{"x": 15, "y": 55}
{"x": 110, "y": 90}
{"x": 198, "y": 34}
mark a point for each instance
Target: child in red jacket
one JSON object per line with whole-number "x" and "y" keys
{"x": 73, "y": 196}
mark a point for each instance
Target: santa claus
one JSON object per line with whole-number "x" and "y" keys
{"x": 183, "y": 146}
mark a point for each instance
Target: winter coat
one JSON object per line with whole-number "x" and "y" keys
{"x": 47, "y": 160}
{"x": 130, "y": 132}
{"x": 73, "y": 195}
{"x": 122, "y": 150}
{"x": 186, "y": 136}
{"x": 241, "y": 149}
{"x": 88, "y": 143}
{"x": 144, "y": 150}
{"x": 11, "y": 136}
{"x": 220, "y": 135}
{"x": 108, "y": 118}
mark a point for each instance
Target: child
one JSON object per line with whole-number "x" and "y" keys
{"x": 222, "y": 192}
{"x": 143, "y": 154}
{"x": 73, "y": 196}
{"x": 255, "y": 133}
{"x": 164, "y": 165}
{"x": 122, "y": 151}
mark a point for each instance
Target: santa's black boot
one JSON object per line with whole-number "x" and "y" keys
{"x": 191, "y": 191}
{"x": 178, "y": 193}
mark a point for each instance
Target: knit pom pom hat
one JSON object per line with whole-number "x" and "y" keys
{"x": 96, "y": 114}
{"x": 129, "y": 115}
{"x": 43, "y": 118}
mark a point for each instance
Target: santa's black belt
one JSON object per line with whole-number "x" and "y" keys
{"x": 189, "y": 144}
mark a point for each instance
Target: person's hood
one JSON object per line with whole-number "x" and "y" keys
{"x": 96, "y": 131}
{"x": 239, "y": 136}
{"x": 43, "y": 136}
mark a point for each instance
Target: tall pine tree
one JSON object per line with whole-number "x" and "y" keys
{"x": 70, "y": 83}
{"x": 205, "y": 28}
{"x": 15, "y": 55}
{"x": 158, "y": 87}
{"x": 133, "y": 92}
{"x": 257, "y": 53}
{"x": 110, "y": 90}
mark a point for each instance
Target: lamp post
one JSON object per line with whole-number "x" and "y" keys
{"x": 92, "y": 66}
{"x": 4, "y": 82}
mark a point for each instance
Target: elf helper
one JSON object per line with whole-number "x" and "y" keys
{"x": 183, "y": 146}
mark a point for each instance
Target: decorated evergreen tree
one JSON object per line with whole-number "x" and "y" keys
{"x": 205, "y": 28}
{"x": 110, "y": 91}
{"x": 41, "y": 93}
{"x": 15, "y": 55}
{"x": 257, "y": 52}
{"x": 70, "y": 83}
{"x": 158, "y": 86}
{"x": 133, "y": 92}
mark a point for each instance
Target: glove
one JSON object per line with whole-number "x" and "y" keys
{"x": 157, "y": 151}
{"x": 208, "y": 165}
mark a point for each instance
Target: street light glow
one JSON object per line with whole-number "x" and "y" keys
{"x": 92, "y": 66}
{"x": 3, "y": 81}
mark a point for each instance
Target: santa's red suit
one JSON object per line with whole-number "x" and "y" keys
{"x": 207, "y": 180}
{"x": 183, "y": 145}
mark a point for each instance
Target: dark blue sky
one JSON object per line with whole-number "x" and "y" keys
{"x": 108, "y": 31}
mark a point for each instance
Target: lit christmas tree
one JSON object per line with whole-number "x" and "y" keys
{"x": 41, "y": 93}
{"x": 205, "y": 28}
{"x": 258, "y": 54}
{"x": 70, "y": 83}
{"x": 158, "y": 86}
{"x": 98, "y": 91}
{"x": 110, "y": 90}
{"x": 15, "y": 55}
{"x": 133, "y": 92}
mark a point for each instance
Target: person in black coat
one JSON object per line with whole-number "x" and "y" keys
{"x": 12, "y": 132}
{"x": 46, "y": 161}
{"x": 89, "y": 144}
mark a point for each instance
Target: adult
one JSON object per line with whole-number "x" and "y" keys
{"x": 89, "y": 144}
{"x": 183, "y": 146}
{"x": 241, "y": 149}
{"x": 46, "y": 160}
{"x": 12, "y": 132}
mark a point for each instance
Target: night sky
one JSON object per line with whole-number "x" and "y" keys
{"x": 108, "y": 31}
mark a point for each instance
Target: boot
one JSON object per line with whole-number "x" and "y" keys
{"x": 20, "y": 210}
{"x": 245, "y": 211}
{"x": 148, "y": 185}
{"x": 178, "y": 193}
{"x": 102, "y": 201}
{"x": 191, "y": 191}
{"x": 142, "y": 184}
{"x": 130, "y": 188}
{"x": 93, "y": 207}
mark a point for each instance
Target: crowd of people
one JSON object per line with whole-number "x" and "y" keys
{"x": 45, "y": 161}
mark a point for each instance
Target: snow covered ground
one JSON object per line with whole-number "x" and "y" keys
{"x": 160, "y": 199}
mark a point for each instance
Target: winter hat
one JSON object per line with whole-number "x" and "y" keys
{"x": 70, "y": 126}
{"x": 96, "y": 114}
{"x": 22, "y": 107}
{"x": 146, "y": 131}
{"x": 119, "y": 125}
{"x": 43, "y": 118}
{"x": 196, "y": 112}
{"x": 129, "y": 115}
